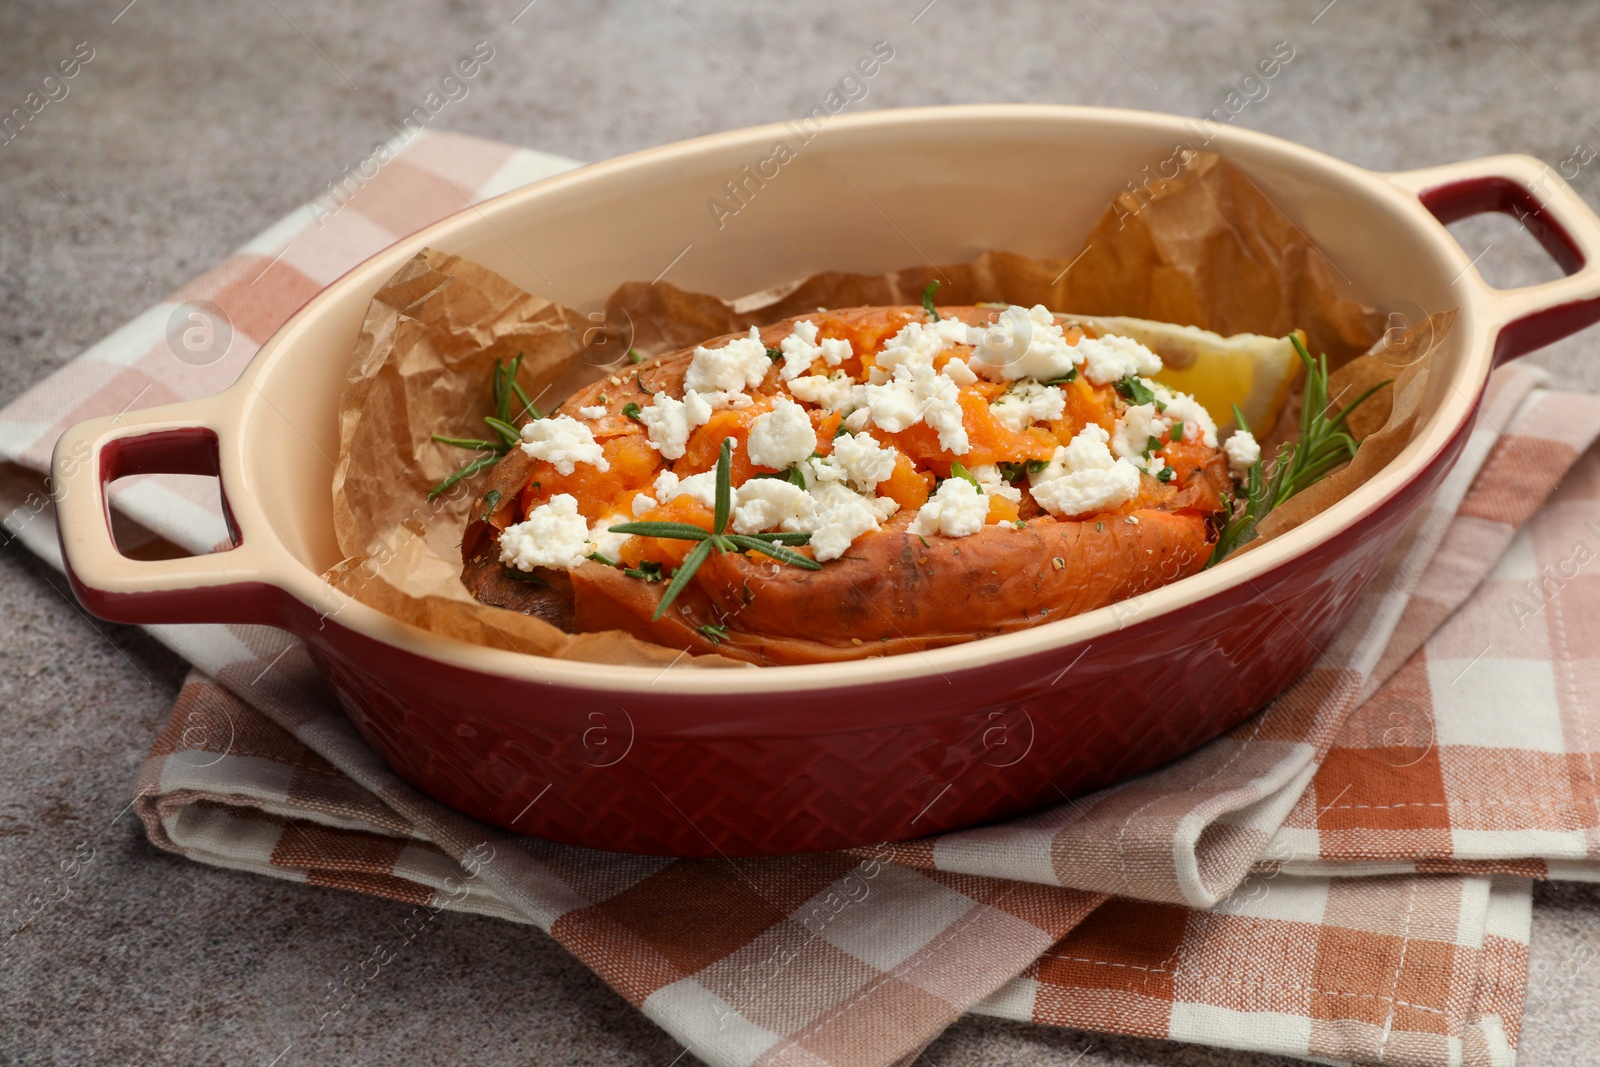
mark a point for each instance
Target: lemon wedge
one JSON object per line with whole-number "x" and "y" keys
{"x": 1247, "y": 369}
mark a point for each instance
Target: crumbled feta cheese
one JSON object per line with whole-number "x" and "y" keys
{"x": 957, "y": 371}
{"x": 917, "y": 393}
{"x": 598, "y": 411}
{"x": 553, "y": 535}
{"x": 801, "y": 349}
{"x": 1134, "y": 429}
{"x": 916, "y": 344}
{"x": 665, "y": 486}
{"x": 701, "y": 487}
{"x": 604, "y": 541}
{"x": 842, "y": 516}
{"x": 781, "y": 437}
{"x": 765, "y": 503}
{"x": 1024, "y": 343}
{"x": 1026, "y": 403}
{"x": 738, "y": 365}
{"x": 1083, "y": 477}
{"x": 696, "y": 408}
{"x": 1111, "y": 358}
{"x": 864, "y": 461}
{"x": 829, "y": 394}
{"x": 994, "y": 483}
{"x": 857, "y": 420}
{"x": 1088, "y": 492}
{"x": 1242, "y": 451}
{"x": 1181, "y": 407}
{"x": 564, "y": 442}
{"x": 958, "y": 509}
{"x": 643, "y": 504}
{"x": 666, "y": 425}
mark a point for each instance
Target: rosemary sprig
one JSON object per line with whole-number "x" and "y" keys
{"x": 768, "y": 544}
{"x": 502, "y": 422}
{"x": 1324, "y": 444}
{"x": 927, "y": 300}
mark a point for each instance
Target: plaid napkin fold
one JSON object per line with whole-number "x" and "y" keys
{"x": 864, "y": 958}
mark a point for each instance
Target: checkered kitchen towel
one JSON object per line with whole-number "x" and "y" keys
{"x": 864, "y": 958}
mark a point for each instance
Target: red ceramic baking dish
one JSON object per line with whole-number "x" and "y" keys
{"x": 786, "y": 759}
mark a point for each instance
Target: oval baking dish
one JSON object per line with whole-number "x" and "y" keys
{"x": 786, "y": 759}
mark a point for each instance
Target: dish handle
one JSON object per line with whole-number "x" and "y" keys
{"x": 1529, "y": 190}
{"x": 228, "y": 586}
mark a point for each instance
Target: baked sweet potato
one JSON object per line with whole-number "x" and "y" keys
{"x": 908, "y": 583}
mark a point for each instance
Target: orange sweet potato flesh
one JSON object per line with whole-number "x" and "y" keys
{"x": 892, "y": 592}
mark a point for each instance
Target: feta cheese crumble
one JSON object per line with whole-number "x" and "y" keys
{"x": 1242, "y": 451}
{"x": 994, "y": 483}
{"x": 1026, "y": 403}
{"x": 958, "y": 509}
{"x": 859, "y": 460}
{"x": 605, "y": 542}
{"x": 841, "y": 517}
{"x": 768, "y": 503}
{"x": 1111, "y": 358}
{"x": 1181, "y": 407}
{"x": 833, "y": 393}
{"x": 563, "y": 442}
{"x": 1138, "y": 424}
{"x": 738, "y": 365}
{"x": 801, "y": 349}
{"x": 553, "y": 535}
{"x": 701, "y": 487}
{"x": 916, "y": 393}
{"x": 667, "y": 425}
{"x": 1025, "y": 343}
{"x": 598, "y": 411}
{"x": 1084, "y": 478}
{"x": 781, "y": 437}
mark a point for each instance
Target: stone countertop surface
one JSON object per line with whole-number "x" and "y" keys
{"x": 196, "y": 125}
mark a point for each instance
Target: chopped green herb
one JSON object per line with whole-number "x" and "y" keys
{"x": 1099, "y": 527}
{"x": 1036, "y": 466}
{"x": 1152, "y": 444}
{"x": 715, "y": 634}
{"x": 1164, "y": 474}
{"x": 768, "y": 544}
{"x": 1177, "y": 431}
{"x": 1066, "y": 379}
{"x": 631, "y": 410}
{"x": 601, "y": 557}
{"x": 774, "y": 354}
{"x": 927, "y": 300}
{"x": 639, "y": 381}
{"x": 635, "y": 356}
{"x": 1324, "y": 444}
{"x": 959, "y": 471}
{"x": 924, "y": 541}
{"x": 1012, "y": 471}
{"x": 646, "y": 571}
{"x": 841, "y": 431}
{"x": 503, "y": 389}
{"x": 491, "y": 500}
{"x": 1134, "y": 391}
{"x": 1019, "y": 524}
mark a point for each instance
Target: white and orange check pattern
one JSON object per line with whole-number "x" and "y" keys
{"x": 1332, "y": 879}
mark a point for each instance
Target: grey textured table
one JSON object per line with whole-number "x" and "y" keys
{"x": 196, "y": 124}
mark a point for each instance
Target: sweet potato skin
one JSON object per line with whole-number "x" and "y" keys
{"x": 893, "y": 592}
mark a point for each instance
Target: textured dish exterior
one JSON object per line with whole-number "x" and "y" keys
{"x": 982, "y": 745}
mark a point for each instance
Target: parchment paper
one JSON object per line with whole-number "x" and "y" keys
{"x": 1208, "y": 250}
